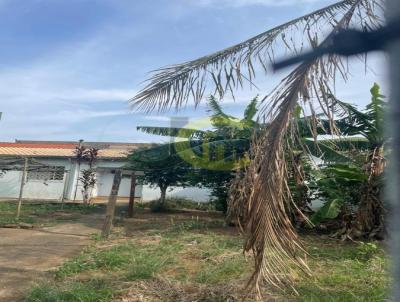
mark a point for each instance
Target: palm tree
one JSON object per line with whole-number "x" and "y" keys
{"x": 269, "y": 233}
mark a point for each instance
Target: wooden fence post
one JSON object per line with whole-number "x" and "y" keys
{"x": 112, "y": 200}
{"x": 132, "y": 195}
{"x": 21, "y": 189}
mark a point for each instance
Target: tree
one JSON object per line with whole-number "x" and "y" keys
{"x": 229, "y": 134}
{"x": 268, "y": 230}
{"x": 88, "y": 180}
{"x": 162, "y": 167}
{"x": 88, "y": 177}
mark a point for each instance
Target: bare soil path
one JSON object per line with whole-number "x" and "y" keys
{"x": 26, "y": 256}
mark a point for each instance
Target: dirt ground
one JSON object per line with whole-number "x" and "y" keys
{"x": 27, "y": 255}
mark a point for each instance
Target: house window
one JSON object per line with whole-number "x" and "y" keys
{"x": 46, "y": 174}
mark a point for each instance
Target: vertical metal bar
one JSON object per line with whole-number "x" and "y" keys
{"x": 65, "y": 184}
{"x": 21, "y": 189}
{"x": 393, "y": 129}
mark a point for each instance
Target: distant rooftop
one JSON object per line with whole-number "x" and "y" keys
{"x": 25, "y": 148}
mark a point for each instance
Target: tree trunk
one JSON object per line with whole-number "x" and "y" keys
{"x": 370, "y": 214}
{"x": 77, "y": 180}
{"x": 112, "y": 200}
{"x": 163, "y": 190}
{"x": 21, "y": 190}
{"x": 300, "y": 210}
{"x": 132, "y": 195}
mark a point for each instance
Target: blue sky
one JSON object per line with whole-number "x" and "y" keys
{"x": 68, "y": 67}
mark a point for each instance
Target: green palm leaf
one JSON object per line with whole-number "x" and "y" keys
{"x": 173, "y": 132}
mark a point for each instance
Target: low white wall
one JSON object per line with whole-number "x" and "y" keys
{"x": 10, "y": 183}
{"x": 193, "y": 193}
{"x": 104, "y": 184}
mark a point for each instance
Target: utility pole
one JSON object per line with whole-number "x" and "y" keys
{"x": 21, "y": 189}
{"x": 112, "y": 200}
{"x": 132, "y": 195}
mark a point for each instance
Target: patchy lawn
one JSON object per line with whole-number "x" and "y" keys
{"x": 40, "y": 214}
{"x": 193, "y": 256}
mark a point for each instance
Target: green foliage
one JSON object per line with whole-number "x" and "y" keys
{"x": 162, "y": 166}
{"x": 339, "y": 186}
{"x": 375, "y": 112}
{"x": 177, "y": 203}
{"x": 370, "y": 122}
{"x": 367, "y": 251}
{"x": 72, "y": 291}
{"x": 208, "y": 152}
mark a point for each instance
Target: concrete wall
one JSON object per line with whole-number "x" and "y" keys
{"x": 193, "y": 193}
{"x": 104, "y": 184}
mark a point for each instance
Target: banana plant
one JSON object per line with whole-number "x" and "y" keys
{"x": 368, "y": 126}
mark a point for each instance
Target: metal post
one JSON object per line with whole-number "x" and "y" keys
{"x": 393, "y": 129}
{"x": 21, "y": 189}
{"x": 65, "y": 186}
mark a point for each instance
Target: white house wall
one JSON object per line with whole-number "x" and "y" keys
{"x": 105, "y": 180}
{"x": 54, "y": 190}
{"x": 192, "y": 193}
{"x": 10, "y": 184}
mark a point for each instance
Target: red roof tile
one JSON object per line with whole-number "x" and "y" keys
{"x": 47, "y": 146}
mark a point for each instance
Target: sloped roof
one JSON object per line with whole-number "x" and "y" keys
{"x": 63, "y": 149}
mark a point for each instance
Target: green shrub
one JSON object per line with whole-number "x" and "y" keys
{"x": 158, "y": 207}
{"x": 177, "y": 203}
{"x": 366, "y": 251}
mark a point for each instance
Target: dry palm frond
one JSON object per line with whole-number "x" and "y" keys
{"x": 269, "y": 232}
{"x": 261, "y": 195}
{"x": 228, "y": 69}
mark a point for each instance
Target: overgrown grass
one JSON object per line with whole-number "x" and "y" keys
{"x": 90, "y": 291}
{"x": 32, "y": 212}
{"x": 177, "y": 203}
{"x": 345, "y": 272}
{"x": 199, "y": 257}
